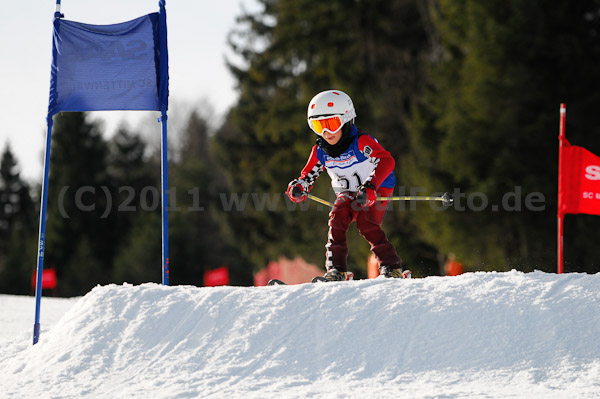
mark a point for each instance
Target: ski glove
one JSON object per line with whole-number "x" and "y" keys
{"x": 297, "y": 190}
{"x": 366, "y": 196}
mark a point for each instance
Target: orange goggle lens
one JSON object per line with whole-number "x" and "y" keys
{"x": 332, "y": 124}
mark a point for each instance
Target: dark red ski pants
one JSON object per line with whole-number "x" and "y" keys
{"x": 368, "y": 221}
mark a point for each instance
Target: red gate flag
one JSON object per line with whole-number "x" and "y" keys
{"x": 579, "y": 181}
{"x": 48, "y": 279}
{"x": 215, "y": 277}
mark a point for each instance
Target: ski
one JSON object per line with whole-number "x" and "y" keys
{"x": 406, "y": 274}
{"x": 276, "y": 281}
{"x": 320, "y": 279}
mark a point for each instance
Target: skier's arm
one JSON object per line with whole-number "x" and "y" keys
{"x": 383, "y": 160}
{"x": 313, "y": 168}
{"x": 298, "y": 188}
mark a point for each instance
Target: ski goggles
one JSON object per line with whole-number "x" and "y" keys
{"x": 326, "y": 123}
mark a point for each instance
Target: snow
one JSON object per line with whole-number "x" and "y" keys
{"x": 478, "y": 335}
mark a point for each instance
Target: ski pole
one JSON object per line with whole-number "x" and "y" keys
{"x": 319, "y": 200}
{"x": 297, "y": 193}
{"x": 446, "y": 199}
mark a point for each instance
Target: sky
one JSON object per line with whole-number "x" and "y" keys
{"x": 197, "y": 40}
{"x": 477, "y": 335}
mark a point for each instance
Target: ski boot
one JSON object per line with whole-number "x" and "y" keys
{"x": 389, "y": 272}
{"x": 332, "y": 275}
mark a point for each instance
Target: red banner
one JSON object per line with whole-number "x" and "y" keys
{"x": 215, "y": 277}
{"x": 578, "y": 181}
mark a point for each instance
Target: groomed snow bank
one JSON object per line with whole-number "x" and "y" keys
{"x": 493, "y": 335}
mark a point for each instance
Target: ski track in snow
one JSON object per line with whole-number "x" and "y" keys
{"x": 478, "y": 335}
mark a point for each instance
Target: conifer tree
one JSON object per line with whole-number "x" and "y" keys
{"x": 17, "y": 228}
{"x": 201, "y": 238}
{"x": 76, "y": 232}
{"x": 488, "y": 125}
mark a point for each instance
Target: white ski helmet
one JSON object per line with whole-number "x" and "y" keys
{"x": 331, "y": 102}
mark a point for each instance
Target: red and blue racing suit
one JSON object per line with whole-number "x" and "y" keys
{"x": 365, "y": 160}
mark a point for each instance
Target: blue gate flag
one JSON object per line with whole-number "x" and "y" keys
{"x": 107, "y": 68}
{"x": 110, "y": 67}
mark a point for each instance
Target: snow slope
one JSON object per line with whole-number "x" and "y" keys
{"x": 17, "y": 314}
{"x": 479, "y": 335}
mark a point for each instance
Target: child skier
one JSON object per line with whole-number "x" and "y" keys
{"x": 360, "y": 170}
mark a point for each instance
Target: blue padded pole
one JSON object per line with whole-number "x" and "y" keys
{"x": 43, "y": 208}
{"x": 163, "y": 93}
{"x": 165, "y": 200}
{"x": 42, "y": 233}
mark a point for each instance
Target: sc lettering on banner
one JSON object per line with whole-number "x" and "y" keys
{"x": 592, "y": 172}
{"x": 591, "y": 195}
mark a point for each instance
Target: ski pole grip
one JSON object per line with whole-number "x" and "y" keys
{"x": 296, "y": 192}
